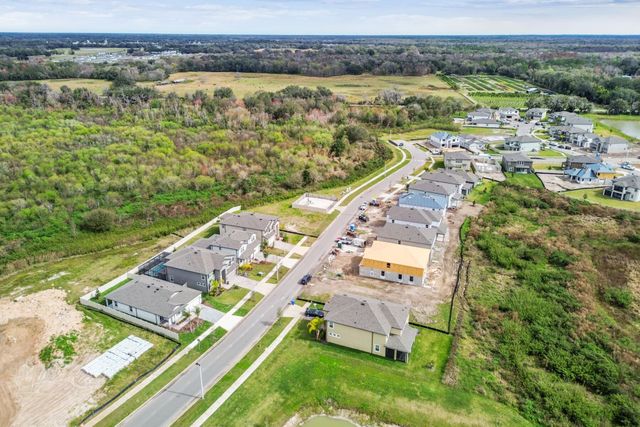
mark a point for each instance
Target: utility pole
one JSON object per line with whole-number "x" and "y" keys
{"x": 201, "y": 385}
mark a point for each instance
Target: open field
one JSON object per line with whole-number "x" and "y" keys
{"x": 594, "y": 195}
{"x": 497, "y": 100}
{"x": 487, "y": 83}
{"x": 94, "y": 85}
{"x": 355, "y": 88}
{"x": 305, "y": 377}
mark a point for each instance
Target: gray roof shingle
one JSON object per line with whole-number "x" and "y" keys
{"x": 197, "y": 260}
{"x": 366, "y": 313}
{"x": 428, "y": 186}
{"x": 250, "y": 220}
{"x": 154, "y": 295}
{"x": 408, "y": 233}
{"x": 417, "y": 216}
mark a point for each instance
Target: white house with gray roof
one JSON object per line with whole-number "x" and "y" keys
{"x": 243, "y": 245}
{"x": 536, "y": 114}
{"x": 437, "y": 190}
{"x": 624, "y": 188}
{"x": 522, "y": 143}
{"x": 457, "y": 160}
{"x": 266, "y": 227}
{"x": 415, "y": 217}
{"x": 154, "y": 300}
{"x": 370, "y": 325}
{"x": 610, "y": 145}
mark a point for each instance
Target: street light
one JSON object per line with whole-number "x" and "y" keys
{"x": 201, "y": 385}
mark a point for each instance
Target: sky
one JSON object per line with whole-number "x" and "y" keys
{"x": 322, "y": 17}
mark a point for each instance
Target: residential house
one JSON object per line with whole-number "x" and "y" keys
{"x": 444, "y": 140}
{"x": 483, "y": 113}
{"x": 560, "y": 132}
{"x": 266, "y": 227}
{"x": 624, "y": 188}
{"x": 457, "y": 160}
{"x": 370, "y": 325}
{"x": 198, "y": 267}
{"x": 517, "y": 163}
{"x": 579, "y": 161}
{"x": 536, "y": 114}
{"x": 415, "y": 217}
{"x": 440, "y": 191}
{"x": 572, "y": 119}
{"x": 592, "y": 173}
{"x": 583, "y": 139}
{"x": 154, "y": 300}
{"x": 446, "y": 177}
{"x": 395, "y": 263}
{"x": 484, "y": 123}
{"x": 243, "y": 245}
{"x": 611, "y": 145}
{"x": 421, "y": 201}
{"x": 508, "y": 113}
{"x": 472, "y": 144}
{"x": 471, "y": 180}
{"x": 409, "y": 235}
{"x": 524, "y": 143}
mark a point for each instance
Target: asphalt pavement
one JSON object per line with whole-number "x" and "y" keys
{"x": 171, "y": 402}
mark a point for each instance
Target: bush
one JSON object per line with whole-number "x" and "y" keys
{"x": 618, "y": 297}
{"x": 98, "y": 220}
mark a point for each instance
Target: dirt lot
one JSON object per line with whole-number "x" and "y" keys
{"x": 557, "y": 182}
{"x": 30, "y": 395}
{"x": 341, "y": 274}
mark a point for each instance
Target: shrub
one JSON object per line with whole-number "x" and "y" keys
{"x": 98, "y": 220}
{"x": 618, "y": 297}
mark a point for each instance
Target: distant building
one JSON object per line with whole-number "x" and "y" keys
{"x": 444, "y": 140}
{"x": 572, "y": 119}
{"x": 154, "y": 300}
{"x": 579, "y": 161}
{"x": 508, "y": 113}
{"x": 485, "y": 123}
{"x": 395, "y": 263}
{"x": 610, "y": 145}
{"x": 624, "y": 188}
{"x": 266, "y": 227}
{"x": 243, "y": 245}
{"x": 483, "y": 114}
{"x": 536, "y": 114}
{"x": 370, "y": 325}
{"x": 198, "y": 267}
{"x": 457, "y": 160}
{"x": 523, "y": 143}
{"x": 583, "y": 139}
{"x": 517, "y": 163}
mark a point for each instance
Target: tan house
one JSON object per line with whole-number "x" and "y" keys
{"x": 395, "y": 263}
{"x": 367, "y": 324}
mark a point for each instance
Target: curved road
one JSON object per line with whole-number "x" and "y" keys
{"x": 166, "y": 406}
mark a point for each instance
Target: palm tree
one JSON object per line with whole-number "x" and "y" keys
{"x": 315, "y": 325}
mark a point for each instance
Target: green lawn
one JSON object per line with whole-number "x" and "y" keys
{"x": 161, "y": 381}
{"x": 594, "y": 195}
{"x": 497, "y": 100}
{"x": 100, "y": 298}
{"x": 227, "y": 299}
{"x": 225, "y": 382}
{"x": 282, "y": 271}
{"x": 547, "y": 152}
{"x": 306, "y": 377}
{"x": 482, "y": 192}
{"x": 524, "y": 179}
{"x": 249, "y": 304}
{"x": 258, "y": 271}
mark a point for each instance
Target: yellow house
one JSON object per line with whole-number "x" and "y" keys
{"x": 395, "y": 263}
{"x": 370, "y": 325}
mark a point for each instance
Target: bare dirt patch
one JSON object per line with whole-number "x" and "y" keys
{"x": 557, "y": 183}
{"x": 29, "y": 393}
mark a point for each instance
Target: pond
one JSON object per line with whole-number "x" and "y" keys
{"x": 326, "y": 421}
{"x": 630, "y": 127}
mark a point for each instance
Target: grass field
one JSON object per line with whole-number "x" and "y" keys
{"x": 94, "y": 85}
{"x": 307, "y": 377}
{"x": 548, "y": 152}
{"x": 594, "y": 195}
{"x": 487, "y": 83}
{"x": 498, "y": 100}
{"x": 525, "y": 179}
{"x": 227, "y": 299}
{"x": 354, "y": 88}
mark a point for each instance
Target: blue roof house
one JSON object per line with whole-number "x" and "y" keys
{"x": 422, "y": 201}
{"x": 591, "y": 173}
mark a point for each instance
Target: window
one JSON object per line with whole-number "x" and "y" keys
{"x": 411, "y": 278}
{"x": 131, "y": 309}
{"x": 399, "y": 276}
{"x": 376, "y": 348}
{"x": 382, "y": 273}
{"x": 330, "y": 325}
{"x": 388, "y": 265}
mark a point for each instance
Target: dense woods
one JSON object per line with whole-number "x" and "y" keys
{"x": 552, "y": 326}
{"x": 603, "y": 70}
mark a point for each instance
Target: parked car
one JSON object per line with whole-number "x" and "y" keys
{"x": 626, "y": 165}
{"x": 363, "y": 207}
{"x": 314, "y": 312}
{"x": 363, "y": 218}
{"x": 374, "y": 202}
{"x": 305, "y": 279}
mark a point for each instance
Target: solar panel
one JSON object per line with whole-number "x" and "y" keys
{"x": 117, "y": 357}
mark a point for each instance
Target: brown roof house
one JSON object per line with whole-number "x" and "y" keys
{"x": 367, "y": 324}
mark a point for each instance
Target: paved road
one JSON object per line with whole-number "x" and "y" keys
{"x": 166, "y": 406}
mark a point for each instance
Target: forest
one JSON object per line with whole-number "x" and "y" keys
{"x": 134, "y": 164}
{"x": 604, "y": 70}
{"x": 552, "y": 321}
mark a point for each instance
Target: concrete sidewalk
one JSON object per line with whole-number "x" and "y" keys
{"x": 246, "y": 374}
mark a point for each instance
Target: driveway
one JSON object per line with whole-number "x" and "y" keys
{"x": 210, "y": 314}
